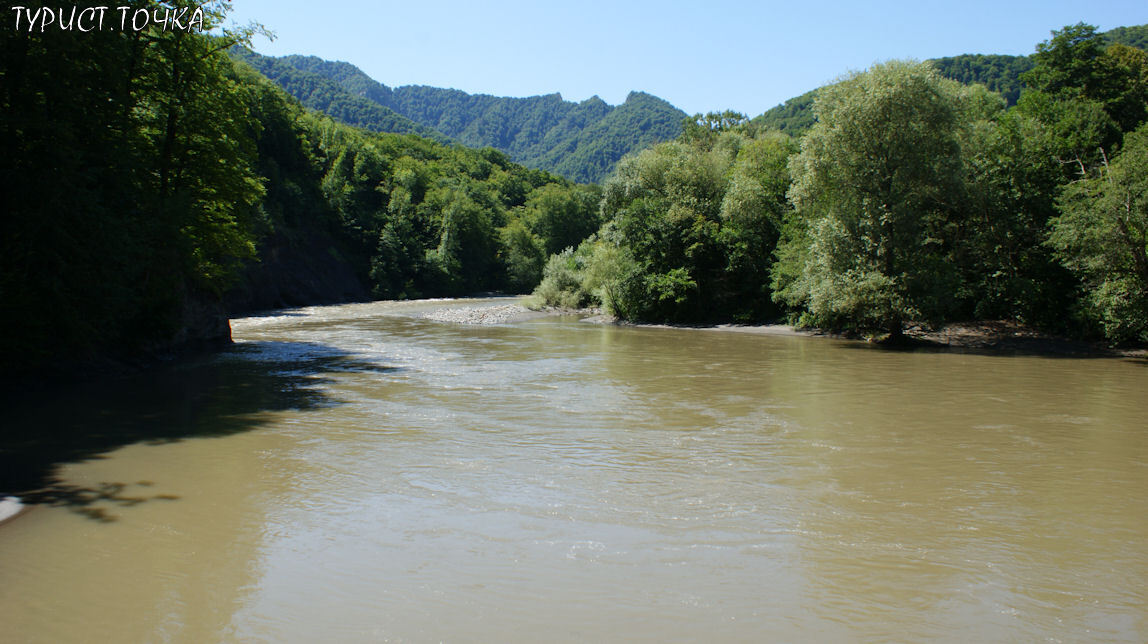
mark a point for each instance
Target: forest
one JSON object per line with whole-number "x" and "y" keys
{"x": 153, "y": 184}
{"x": 580, "y": 141}
{"x": 910, "y": 198}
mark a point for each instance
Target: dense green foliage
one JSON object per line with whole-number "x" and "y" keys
{"x": 125, "y": 193}
{"x": 793, "y": 117}
{"x": 411, "y": 216}
{"x": 1131, "y": 36}
{"x": 1093, "y": 99}
{"x": 1102, "y": 234}
{"x": 691, "y": 228}
{"x": 581, "y": 141}
{"x": 940, "y": 216}
{"x": 143, "y": 184}
{"x": 414, "y": 217}
{"x": 873, "y": 187}
{"x": 321, "y": 93}
{"x": 1090, "y": 93}
{"x": 910, "y": 198}
{"x": 1000, "y": 74}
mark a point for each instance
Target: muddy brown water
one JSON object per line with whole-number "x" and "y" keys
{"x": 359, "y": 473}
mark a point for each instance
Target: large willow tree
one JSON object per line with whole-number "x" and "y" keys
{"x": 876, "y": 179}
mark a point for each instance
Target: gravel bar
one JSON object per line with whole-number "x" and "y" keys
{"x": 499, "y": 314}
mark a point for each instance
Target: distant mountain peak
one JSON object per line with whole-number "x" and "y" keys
{"x": 581, "y": 141}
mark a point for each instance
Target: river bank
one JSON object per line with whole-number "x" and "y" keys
{"x": 990, "y": 336}
{"x": 984, "y": 336}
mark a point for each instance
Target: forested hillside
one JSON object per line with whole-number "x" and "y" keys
{"x": 910, "y": 199}
{"x": 794, "y": 116}
{"x": 1132, "y": 36}
{"x": 325, "y": 95}
{"x": 1001, "y": 74}
{"x": 146, "y": 188}
{"x": 581, "y": 141}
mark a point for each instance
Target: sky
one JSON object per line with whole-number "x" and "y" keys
{"x": 699, "y": 56}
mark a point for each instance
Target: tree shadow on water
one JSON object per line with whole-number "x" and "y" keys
{"x": 1019, "y": 346}
{"x": 88, "y": 501}
{"x": 212, "y": 396}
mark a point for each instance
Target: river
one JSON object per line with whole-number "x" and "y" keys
{"x": 362, "y": 473}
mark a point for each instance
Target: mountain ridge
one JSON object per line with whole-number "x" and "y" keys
{"x": 581, "y": 140}
{"x": 327, "y": 96}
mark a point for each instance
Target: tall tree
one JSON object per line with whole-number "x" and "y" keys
{"x": 1067, "y": 62}
{"x": 1102, "y": 235}
{"x": 876, "y": 178}
{"x": 1086, "y": 93}
{"x": 562, "y": 216}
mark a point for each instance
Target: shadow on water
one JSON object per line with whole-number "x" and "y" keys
{"x": 86, "y": 501}
{"x": 275, "y": 313}
{"x": 1029, "y": 347}
{"x": 211, "y": 396}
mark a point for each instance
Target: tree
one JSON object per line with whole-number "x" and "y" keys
{"x": 1011, "y": 180}
{"x": 562, "y": 216}
{"x": 129, "y": 185}
{"x": 1124, "y": 74}
{"x": 876, "y": 178}
{"x": 691, "y": 226}
{"x": 665, "y": 204}
{"x": 523, "y": 256}
{"x": 1067, "y": 62}
{"x": 1086, "y": 92}
{"x": 1102, "y": 235}
{"x": 702, "y": 130}
{"x": 753, "y": 211}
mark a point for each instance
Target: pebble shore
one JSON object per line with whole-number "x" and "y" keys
{"x": 499, "y": 314}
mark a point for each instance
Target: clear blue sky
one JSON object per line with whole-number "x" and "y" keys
{"x": 700, "y": 56}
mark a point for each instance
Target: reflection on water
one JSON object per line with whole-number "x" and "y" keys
{"x": 358, "y": 473}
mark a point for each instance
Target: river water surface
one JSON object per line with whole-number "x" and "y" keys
{"x": 360, "y": 473}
